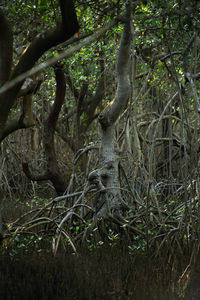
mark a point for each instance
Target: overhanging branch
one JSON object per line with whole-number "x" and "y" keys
{"x": 52, "y": 61}
{"x": 43, "y": 42}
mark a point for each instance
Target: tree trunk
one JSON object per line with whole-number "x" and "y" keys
{"x": 109, "y": 201}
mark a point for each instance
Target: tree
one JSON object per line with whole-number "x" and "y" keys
{"x": 154, "y": 129}
{"x": 109, "y": 202}
{"x": 52, "y": 173}
{"x": 40, "y": 44}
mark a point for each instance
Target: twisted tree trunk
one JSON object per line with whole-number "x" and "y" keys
{"x": 109, "y": 201}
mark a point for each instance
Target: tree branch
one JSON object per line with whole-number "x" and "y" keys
{"x": 52, "y": 61}
{"x": 49, "y": 39}
{"x": 60, "y": 97}
{"x": 34, "y": 51}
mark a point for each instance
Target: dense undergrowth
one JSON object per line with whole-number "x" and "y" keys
{"x": 41, "y": 259}
{"x": 57, "y": 246}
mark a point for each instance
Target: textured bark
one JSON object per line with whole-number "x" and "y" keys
{"x": 109, "y": 202}
{"x": 43, "y": 42}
